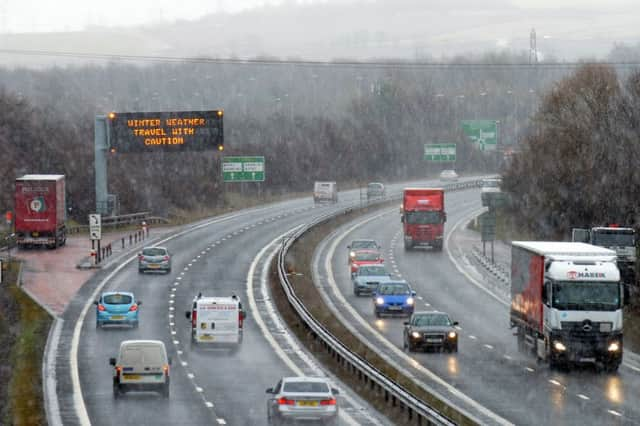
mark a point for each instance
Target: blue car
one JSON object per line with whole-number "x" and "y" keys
{"x": 118, "y": 308}
{"x": 393, "y": 297}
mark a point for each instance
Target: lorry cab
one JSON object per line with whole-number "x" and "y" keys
{"x": 216, "y": 320}
{"x": 423, "y": 217}
{"x": 325, "y": 192}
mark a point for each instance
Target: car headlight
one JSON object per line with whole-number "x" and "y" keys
{"x": 415, "y": 334}
{"x": 410, "y": 301}
{"x": 452, "y": 335}
{"x": 559, "y": 346}
{"x": 379, "y": 301}
{"x": 614, "y": 347}
{"x": 352, "y": 254}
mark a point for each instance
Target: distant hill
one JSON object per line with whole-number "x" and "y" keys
{"x": 408, "y": 29}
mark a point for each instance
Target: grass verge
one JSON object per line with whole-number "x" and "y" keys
{"x": 299, "y": 260}
{"x": 24, "y": 327}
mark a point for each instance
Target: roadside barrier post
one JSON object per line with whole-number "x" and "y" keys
{"x": 95, "y": 258}
{"x": 123, "y": 243}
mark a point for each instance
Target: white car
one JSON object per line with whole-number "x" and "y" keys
{"x": 449, "y": 176}
{"x": 298, "y": 399}
{"x": 141, "y": 365}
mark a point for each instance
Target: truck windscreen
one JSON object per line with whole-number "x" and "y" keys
{"x": 614, "y": 239}
{"x": 423, "y": 218}
{"x": 586, "y": 296}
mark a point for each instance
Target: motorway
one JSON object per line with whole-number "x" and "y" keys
{"x": 503, "y": 385}
{"x": 221, "y": 256}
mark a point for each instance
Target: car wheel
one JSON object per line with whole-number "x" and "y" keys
{"x": 455, "y": 348}
{"x": 376, "y": 313}
{"x": 165, "y": 391}
{"x": 135, "y": 324}
{"x": 356, "y": 292}
{"x": 168, "y": 271}
{"x": 140, "y": 271}
{"x": 332, "y": 422}
{"x": 116, "y": 391}
{"x": 98, "y": 325}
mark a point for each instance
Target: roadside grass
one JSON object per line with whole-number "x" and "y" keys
{"x": 24, "y": 327}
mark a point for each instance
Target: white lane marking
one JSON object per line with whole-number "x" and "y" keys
{"x": 170, "y": 315}
{"x": 397, "y": 351}
{"x": 427, "y": 304}
{"x": 172, "y": 324}
{"x": 260, "y": 321}
{"x": 457, "y": 327}
{"x": 172, "y": 301}
{"x": 190, "y": 375}
{"x": 179, "y": 352}
{"x": 461, "y": 269}
{"x": 208, "y": 404}
{"x": 472, "y": 337}
{"x": 585, "y": 397}
{"x": 221, "y": 421}
{"x": 419, "y": 297}
{"x": 171, "y": 308}
{"x": 173, "y": 332}
{"x": 176, "y": 342}
{"x": 488, "y": 346}
{"x": 198, "y": 389}
{"x": 555, "y": 382}
{"x": 184, "y": 363}
{"x": 615, "y": 413}
{"x": 179, "y": 279}
{"x": 507, "y": 357}
{"x": 529, "y": 369}
{"x": 172, "y": 295}
{"x": 174, "y": 289}
{"x": 191, "y": 264}
{"x": 202, "y": 252}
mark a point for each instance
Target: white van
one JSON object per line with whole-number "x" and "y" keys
{"x": 325, "y": 192}
{"x": 141, "y": 365}
{"x": 216, "y": 320}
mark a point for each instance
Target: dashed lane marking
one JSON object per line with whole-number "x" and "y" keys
{"x": 585, "y": 397}
{"x": 529, "y": 369}
{"x": 488, "y": 346}
{"x": 615, "y": 413}
{"x": 472, "y": 337}
{"x": 555, "y": 382}
{"x": 221, "y": 421}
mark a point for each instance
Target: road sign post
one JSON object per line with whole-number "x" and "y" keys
{"x": 243, "y": 169}
{"x": 95, "y": 227}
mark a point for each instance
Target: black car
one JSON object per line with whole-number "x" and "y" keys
{"x": 430, "y": 329}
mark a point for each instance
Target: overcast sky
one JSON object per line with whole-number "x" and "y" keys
{"x": 69, "y": 15}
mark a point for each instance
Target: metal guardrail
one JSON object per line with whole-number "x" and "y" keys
{"x": 115, "y": 221}
{"x": 417, "y": 409}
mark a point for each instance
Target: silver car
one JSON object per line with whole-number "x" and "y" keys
{"x": 154, "y": 259}
{"x": 300, "y": 399}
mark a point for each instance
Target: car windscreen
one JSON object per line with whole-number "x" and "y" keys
{"x": 305, "y": 387}
{"x": 373, "y": 271}
{"x": 154, "y": 251}
{"x": 431, "y": 320}
{"x": 361, "y": 244}
{"x": 117, "y": 299}
{"x": 142, "y": 355}
{"x": 423, "y": 218}
{"x": 367, "y": 256}
{"x": 394, "y": 289}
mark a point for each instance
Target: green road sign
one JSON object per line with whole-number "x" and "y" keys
{"x": 482, "y": 132}
{"x": 243, "y": 169}
{"x": 440, "y": 152}
{"x": 488, "y": 226}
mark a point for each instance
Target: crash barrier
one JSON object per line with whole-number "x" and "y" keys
{"x": 416, "y": 410}
{"x": 122, "y": 220}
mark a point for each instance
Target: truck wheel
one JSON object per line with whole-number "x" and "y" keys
{"x": 116, "y": 391}
{"x": 407, "y": 246}
{"x": 356, "y": 292}
{"x": 521, "y": 346}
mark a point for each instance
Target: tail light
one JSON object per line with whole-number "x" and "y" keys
{"x": 285, "y": 401}
{"x": 194, "y": 318}
{"x": 166, "y": 370}
{"x": 118, "y": 371}
{"x": 166, "y": 258}
{"x": 331, "y": 401}
{"x": 133, "y": 308}
{"x": 101, "y": 307}
{"x": 140, "y": 257}
{"x": 239, "y": 318}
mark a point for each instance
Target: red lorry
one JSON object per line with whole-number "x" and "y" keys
{"x": 423, "y": 217}
{"x": 40, "y": 210}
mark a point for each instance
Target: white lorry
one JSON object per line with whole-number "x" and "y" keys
{"x": 566, "y": 303}
{"x": 217, "y": 321}
{"x": 325, "y": 192}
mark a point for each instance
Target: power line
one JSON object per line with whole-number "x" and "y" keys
{"x": 310, "y": 63}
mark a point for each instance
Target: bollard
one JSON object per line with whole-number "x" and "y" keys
{"x": 95, "y": 258}
{"x": 135, "y": 238}
{"x": 123, "y": 243}
{"x": 130, "y": 239}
